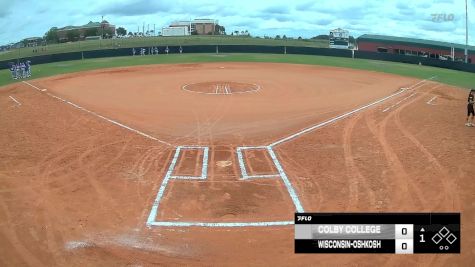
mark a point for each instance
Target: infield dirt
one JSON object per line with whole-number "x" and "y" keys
{"x": 76, "y": 190}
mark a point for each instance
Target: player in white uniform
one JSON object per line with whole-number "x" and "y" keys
{"x": 23, "y": 71}
{"x": 18, "y": 71}
{"x": 28, "y": 68}
{"x": 13, "y": 71}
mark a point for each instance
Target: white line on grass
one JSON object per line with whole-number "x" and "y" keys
{"x": 102, "y": 117}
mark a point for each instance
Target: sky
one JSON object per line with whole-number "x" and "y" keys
{"x": 441, "y": 20}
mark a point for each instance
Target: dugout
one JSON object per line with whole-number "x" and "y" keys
{"x": 414, "y": 47}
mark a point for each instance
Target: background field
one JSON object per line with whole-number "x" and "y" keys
{"x": 452, "y": 77}
{"x": 155, "y": 41}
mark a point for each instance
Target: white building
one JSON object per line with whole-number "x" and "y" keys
{"x": 188, "y": 27}
{"x": 175, "y": 31}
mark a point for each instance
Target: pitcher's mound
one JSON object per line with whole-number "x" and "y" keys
{"x": 221, "y": 88}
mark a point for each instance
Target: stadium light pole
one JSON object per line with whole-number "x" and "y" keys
{"x": 466, "y": 31}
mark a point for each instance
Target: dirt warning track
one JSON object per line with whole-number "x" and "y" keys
{"x": 84, "y": 161}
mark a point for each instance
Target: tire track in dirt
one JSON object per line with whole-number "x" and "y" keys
{"x": 15, "y": 241}
{"x": 352, "y": 173}
{"x": 221, "y": 111}
{"x": 448, "y": 187}
{"x": 400, "y": 180}
{"x": 356, "y": 179}
{"x": 57, "y": 154}
{"x": 150, "y": 197}
{"x": 91, "y": 171}
{"x": 74, "y": 166}
{"x": 145, "y": 161}
{"x": 54, "y": 238}
{"x": 415, "y": 191}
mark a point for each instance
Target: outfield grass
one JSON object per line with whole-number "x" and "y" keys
{"x": 452, "y": 77}
{"x": 155, "y": 41}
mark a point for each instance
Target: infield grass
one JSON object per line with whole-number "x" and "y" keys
{"x": 452, "y": 77}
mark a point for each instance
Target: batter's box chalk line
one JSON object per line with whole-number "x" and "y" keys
{"x": 245, "y": 176}
{"x": 204, "y": 166}
{"x": 242, "y": 165}
{"x": 151, "y": 221}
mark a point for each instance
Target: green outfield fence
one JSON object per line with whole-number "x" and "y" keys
{"x": 246, "y": 49}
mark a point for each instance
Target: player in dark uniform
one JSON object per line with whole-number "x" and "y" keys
{"x": 471, "y": 100}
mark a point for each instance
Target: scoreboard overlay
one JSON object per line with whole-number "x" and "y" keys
{"x": 399, "y": 233}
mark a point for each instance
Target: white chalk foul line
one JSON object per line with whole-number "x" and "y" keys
{"x": 399, "y": 102}
{"x": 332, "y": 120}
{"x": 32, "y": 85}
{"x": 304, "y": 131}
{"x": 220, "y": 224}
{"x": 411, "y": 95}
{"x": 102, "y": 117}
{"x": 14, "y": 100}
{"x": 432, "y": 99}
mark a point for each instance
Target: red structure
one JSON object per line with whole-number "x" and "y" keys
{"x": 415, "y": 47}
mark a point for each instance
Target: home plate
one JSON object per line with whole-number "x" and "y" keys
{"x": 224, "y": 163}
{"x": 42, "y": 90}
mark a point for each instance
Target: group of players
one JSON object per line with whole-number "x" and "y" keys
{"x": 20, "y": 70}
{"x": 152, "y": 51}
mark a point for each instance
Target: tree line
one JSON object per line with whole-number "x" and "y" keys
{"x": 52, "y": 35}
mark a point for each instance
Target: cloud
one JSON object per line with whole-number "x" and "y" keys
{"x": 304, "y": 18}
{"x": 5, "y": 7}
{"x": 276, "y": 9}
{"x": 133, "y": 8}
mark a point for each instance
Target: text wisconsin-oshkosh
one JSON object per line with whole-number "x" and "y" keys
{"x": 325, "y": 244}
